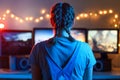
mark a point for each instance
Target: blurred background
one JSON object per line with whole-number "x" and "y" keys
{"x": 27, "y": 14}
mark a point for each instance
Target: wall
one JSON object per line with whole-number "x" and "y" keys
{"x": 28, "y": 8}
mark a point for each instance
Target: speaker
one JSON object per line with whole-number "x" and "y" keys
{"x": 102, "y": 65}
{"x": 19, "y": 63}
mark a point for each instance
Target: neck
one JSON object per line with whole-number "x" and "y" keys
{"x": 63, "y": 33}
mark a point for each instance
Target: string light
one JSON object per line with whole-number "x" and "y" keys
{"x": 12, "y": 15}
{"x": 1, "y": 25}
{"x": 26, "y": 18}
{"x": 85, "y": 15}
{"x": 7, "y": 11}
{"x": 3, "y": 18}
{"x": 37, "y": 20}
{"x": 81, "y": 15}
{"x": 114, "y": 20}
{"x": 105, "y": 12}
{"x": 4, "y": 15}
{"x": 95, "y": 14}
{"x": 41, "y": 18}
{"x": 119, "y": 44}
{"x": 110, "y": 11}
{"x": 45, "y": 15}
{"x": 116, "y": 15}
{"x": 115, "y": 25}
{"x": 17, "y": 18}
{"x": 91, "y": 13}
{"x": 21, "y": 21}
{"x": 43, "y": 11}
{"x": 31, "y": 18}
{"x": 78, "y": 18}
{"x": 100, "y": 12}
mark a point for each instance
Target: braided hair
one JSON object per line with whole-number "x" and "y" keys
{"x": 62, "y": 18}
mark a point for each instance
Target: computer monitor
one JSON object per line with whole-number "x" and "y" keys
{"x": 16, "y": 42}
{"x": 79, "y": 34}
{"x": 41, "y": 34}
{"x": 104, "y": 41}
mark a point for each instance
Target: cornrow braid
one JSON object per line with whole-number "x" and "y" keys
{"x": 62, "y": 17}
{"x": 56, "y": 15}
{"x": 70, "y": 37}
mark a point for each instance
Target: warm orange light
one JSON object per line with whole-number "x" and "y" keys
{"x": 95, "y": 15}
{"x": 78, "y": 18}
{"x": 43, "y": 11}
{"x": 37, "y": 20}
{"x": 105, "y": 12}
{"x": 114, "y": 20}
{"x": 2, "y": 25}
{"x": 12, "y": 15}
{"x": 3, "y": 18}
{"x": 44, "y": 15}
{"x": 116, "y": 15}
{"x": 7, "y": 11}
{"x": 85, "y": 15}
{"x": 4, "y": 15}
{"x": 26, "y": 18}
{"x": 17, "y": 18}
{"x": 91, "y": 14}
{"x": 81, "y": 15}
{"x": 115, "y": 25}
{"x": 21, "y": 21}
{"x": 41, "y": 18}
{"x": 110, "y": 11}
{"x": 30, "y": 18}
{"x": 119, "y": 44}
{"x": 47, "y": 16}
{"x": 100, "y": 12}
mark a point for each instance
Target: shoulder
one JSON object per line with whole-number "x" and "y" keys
{"x": 37, "y": 47}
{"x": 40, "y": 44}
{"x": 85, "y": 44}
{"x": 84, "y": 47}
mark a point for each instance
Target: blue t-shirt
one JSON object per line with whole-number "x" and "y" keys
{"x": 60, "y": 53}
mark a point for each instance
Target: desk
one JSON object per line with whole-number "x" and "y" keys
{"x": 13, "y": 75}
{"x": 26, "y": 75}
{"x": 106, "y": 75}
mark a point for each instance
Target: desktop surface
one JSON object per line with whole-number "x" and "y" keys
{"x": 8, "y": 74}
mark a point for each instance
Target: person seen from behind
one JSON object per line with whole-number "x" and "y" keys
{"x": 62, "y": 57}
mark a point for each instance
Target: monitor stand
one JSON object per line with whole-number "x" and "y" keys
{"x": 103, "y": 56}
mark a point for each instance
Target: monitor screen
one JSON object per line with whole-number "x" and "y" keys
{"x": 103, "y": 40}
{"x": 79, "y": 34}
{"x": 16, "y": 42}
{"x": 41, "y": 34}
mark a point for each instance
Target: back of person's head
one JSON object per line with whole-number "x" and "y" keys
{"x": 62, "y": 18}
